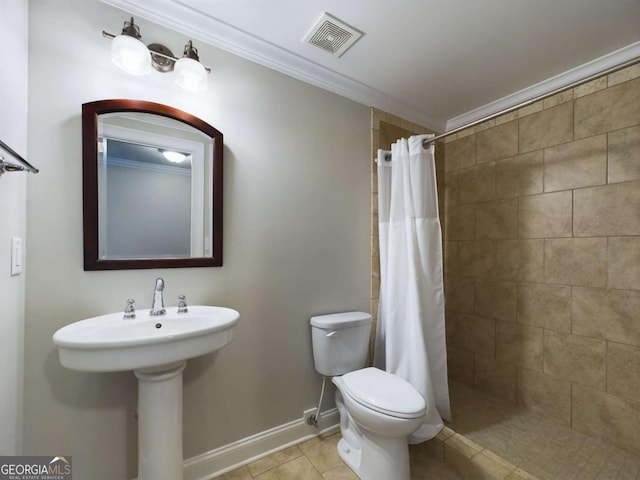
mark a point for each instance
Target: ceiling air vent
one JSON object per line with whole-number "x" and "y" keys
{"x": 332, "y": 35}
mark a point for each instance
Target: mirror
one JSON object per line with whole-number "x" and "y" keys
{"x": 152, "y": 187}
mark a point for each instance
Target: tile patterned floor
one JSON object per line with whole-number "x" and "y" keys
{"x": 540, "y": 446}
{"x": 317, "y": 459}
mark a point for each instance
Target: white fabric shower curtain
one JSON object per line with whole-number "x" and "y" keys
{"x": 410, "y": 336}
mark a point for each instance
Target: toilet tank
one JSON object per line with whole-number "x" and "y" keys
{"x": 340, "y": 342}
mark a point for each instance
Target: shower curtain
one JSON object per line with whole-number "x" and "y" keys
{"x": 410, "y": 336}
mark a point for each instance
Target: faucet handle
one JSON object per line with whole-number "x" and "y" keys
{"x": 129, "y": 310}
{"x": 182, "y": 304}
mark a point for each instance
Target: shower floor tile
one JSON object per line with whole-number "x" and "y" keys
{"x": 541, "y": 447}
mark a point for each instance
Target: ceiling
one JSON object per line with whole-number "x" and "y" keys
{"x": 439, "y": 63}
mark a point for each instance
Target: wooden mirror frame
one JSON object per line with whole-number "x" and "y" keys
{"x": 90, "y": 113}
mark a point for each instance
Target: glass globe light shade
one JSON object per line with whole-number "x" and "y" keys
{"x": 131, "y": 55}
{"x": 190, "y": 75}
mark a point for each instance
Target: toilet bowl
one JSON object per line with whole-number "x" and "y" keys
{"x": 377, "y": 409}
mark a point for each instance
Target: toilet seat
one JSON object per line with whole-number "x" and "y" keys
{"x": 384, "y": 392}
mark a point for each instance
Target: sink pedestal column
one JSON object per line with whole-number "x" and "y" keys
{"x": 160, "y": 423}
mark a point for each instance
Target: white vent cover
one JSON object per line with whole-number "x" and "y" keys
{"x": 332, "y": 35}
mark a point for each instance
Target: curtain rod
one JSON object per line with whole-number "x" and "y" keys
{"x": 426, "y": 142}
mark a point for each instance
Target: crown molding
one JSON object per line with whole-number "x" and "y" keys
{"x": 179, "y": 16}
{"x": 593, "y": 67}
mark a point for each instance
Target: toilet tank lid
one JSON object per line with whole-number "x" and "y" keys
{"x": 341, "y": 320}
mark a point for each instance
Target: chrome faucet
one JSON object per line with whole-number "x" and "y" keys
{"x": 157, "y": 306}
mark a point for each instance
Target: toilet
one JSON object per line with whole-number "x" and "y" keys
{"x": 377, "y": 409}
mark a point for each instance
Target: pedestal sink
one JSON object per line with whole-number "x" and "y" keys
{"x": 156, "y": 349}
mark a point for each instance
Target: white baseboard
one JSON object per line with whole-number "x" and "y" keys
{"x": 229, "y": 457}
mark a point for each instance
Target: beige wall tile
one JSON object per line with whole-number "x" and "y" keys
{"x": 607, "y": 417}
{"x": 624, "y": 155}
{"x": 460, "y": 365}
{"x": 477, "y": 184}
{"x": 451, "y": 258}
{"x": 581, "y": 163}
{"x": 507, "y": 117}
{"x": 529, "y": 109}
{"x": 624, "y": 263}
{"x": 521, "y": 175}
{"x": 466, "y": 132}
{"x": 497, "y": 219}
{"x": 544, "y": 216}
{"x": 495, "y": 378}
{"x": 471, "y": 332}
{"x": 520, "y": 260}
{"x": 389, "y": 133}
{"x": 623, "y": 371}
{"x": 460, "y": 153}
{"x": 497, "y": 142}
{"x": 485, "y": 125}
{"x": 623, "y": 75}
{"x": 374, "y": 203}
{"x": 477, "y": 258}
{"x": 450, "y": 189}
{"x": 578, "y": 359}
{"x": 546, "y": 128}
{"x": 450, "y": 138}
{"x": 548, "y": 396}
{"x": 496, "y": 299}
{"x": 590, "y": 87}
{"x": 608, "y": 210}
{"x": 542, "y": 305}
{"x": 460, "y": 222}
{"x": 460, "y": 293}
{"x": 375, "y": 266}
{"x": 608, "y": 314}
{"x": 607, "y": 110}
{"x": 519, "y": 345}
{"x": 576, "y": 261}
{"x": 559, "y": 98}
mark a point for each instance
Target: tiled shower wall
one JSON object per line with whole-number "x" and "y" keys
{"x": 542, "y": 257}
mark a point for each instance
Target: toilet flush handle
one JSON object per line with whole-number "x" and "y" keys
{"x": 332, "y": 333}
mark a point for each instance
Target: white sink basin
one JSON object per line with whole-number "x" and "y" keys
{"x": 109, "y": 343}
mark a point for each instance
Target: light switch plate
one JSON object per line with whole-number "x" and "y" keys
{"x": 16, "y": 256}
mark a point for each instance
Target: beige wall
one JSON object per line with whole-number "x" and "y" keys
{"x": 543, "y": 257}
{"x": 13, "y": 212}
{"x": 295, "y": 242}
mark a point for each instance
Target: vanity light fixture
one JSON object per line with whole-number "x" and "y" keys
{"x": 130, "y": 54}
